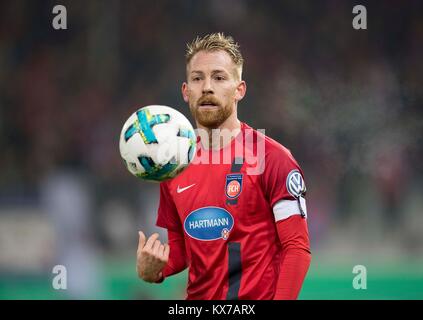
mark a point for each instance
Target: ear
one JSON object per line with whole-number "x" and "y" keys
{"x": 184, "y": 91}
{"x": 241, "y": 89}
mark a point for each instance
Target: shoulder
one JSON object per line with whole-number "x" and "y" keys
{"x": 276, "y": 149}
{"x": 271, "y": 151}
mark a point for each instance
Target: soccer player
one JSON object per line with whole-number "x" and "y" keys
{"x": 239, "y": 226}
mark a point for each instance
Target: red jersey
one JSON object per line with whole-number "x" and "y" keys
{"x": 225, "y": 213}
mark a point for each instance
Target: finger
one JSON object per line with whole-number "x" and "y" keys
{"x": 141, "y": 241}
{"x": 160, "y": 251}
{"x": 151, "y": 240}
{"x": 166, "y": 251}
{"x": 156, "y": 247}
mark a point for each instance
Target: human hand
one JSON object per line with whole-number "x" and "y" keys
{"x": 152, "y": 256}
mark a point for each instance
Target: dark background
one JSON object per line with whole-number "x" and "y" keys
{"x": 346, "y": 102}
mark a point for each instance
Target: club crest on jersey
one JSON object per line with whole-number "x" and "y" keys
{"x": 233, "y": 185}
{"x": 295, "y": 183}
{"x": 209, "y": 223}
{"x": 225, "y": 234}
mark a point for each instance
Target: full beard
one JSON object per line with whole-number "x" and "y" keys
{"x": 211, "y": 117}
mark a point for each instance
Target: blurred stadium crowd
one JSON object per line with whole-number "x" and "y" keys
{"x": 347, "y": 103}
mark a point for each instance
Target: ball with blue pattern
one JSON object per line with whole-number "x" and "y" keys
{"x": 157, "y": 143}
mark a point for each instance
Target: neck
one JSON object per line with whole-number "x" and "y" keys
{"x": 219, "y": 137}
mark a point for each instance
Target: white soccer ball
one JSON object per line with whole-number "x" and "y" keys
{"x": 157, "y": 143}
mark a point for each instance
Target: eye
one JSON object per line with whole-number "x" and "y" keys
{"x": 196, "y": 79}
{"x": 220, "y": 78}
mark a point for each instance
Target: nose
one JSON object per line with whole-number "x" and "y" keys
{"x": 207, "y": 87}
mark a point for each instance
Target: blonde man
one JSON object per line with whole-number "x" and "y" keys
{"x": 242, "y": 235}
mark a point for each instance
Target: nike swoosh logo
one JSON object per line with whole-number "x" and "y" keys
{"x": 179, "y": 190}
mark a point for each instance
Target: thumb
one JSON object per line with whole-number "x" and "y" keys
{"x": 166, "y": 251}
{"x": 141, "y": 242}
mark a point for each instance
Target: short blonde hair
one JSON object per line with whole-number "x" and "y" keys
{"x": 214, "y": 42}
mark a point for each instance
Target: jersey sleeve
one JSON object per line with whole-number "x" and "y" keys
{"x": 295, "y": 257}
{"x": 177, "y": 256}
{"x": 167, "y": 217}
{"x": 283, "y": 183}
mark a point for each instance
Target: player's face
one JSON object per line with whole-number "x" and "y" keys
{"x": 213, "y": 87}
